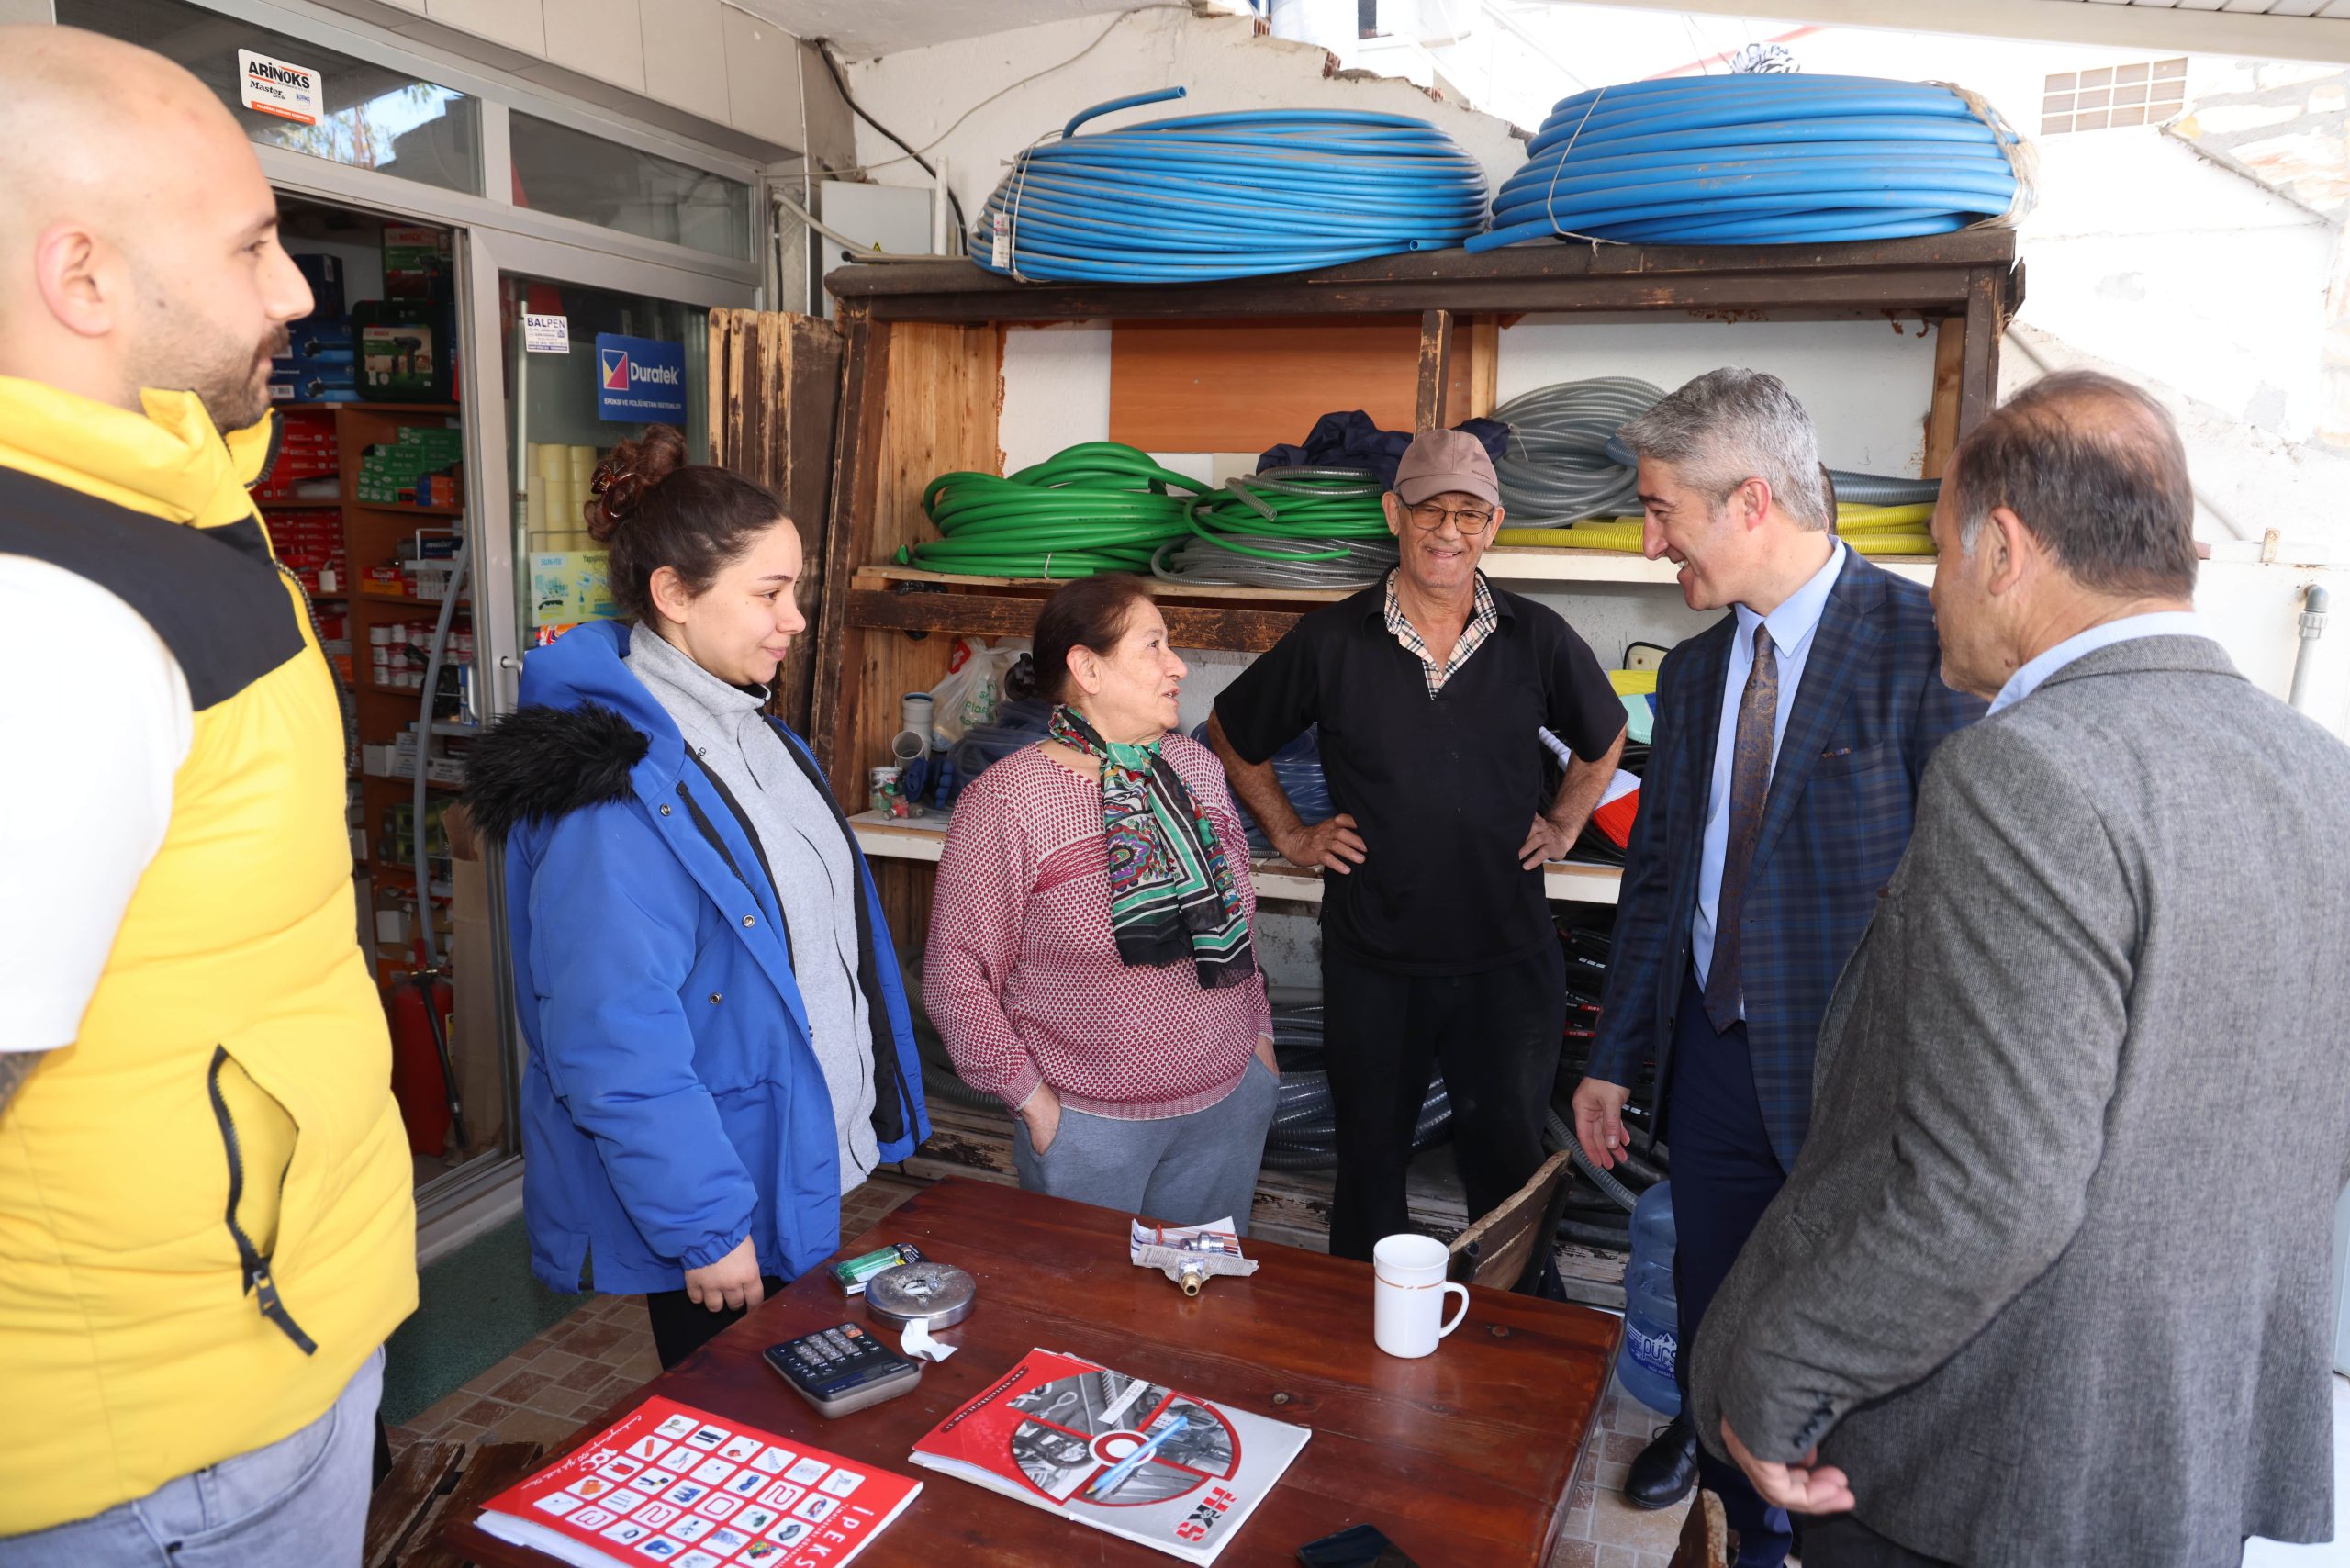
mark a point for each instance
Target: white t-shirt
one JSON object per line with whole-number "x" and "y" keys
{"x": 94, "y": 721}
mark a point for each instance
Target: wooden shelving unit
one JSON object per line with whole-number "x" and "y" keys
{"x": 921, "y": 375}
{"x": 370, "y": 532}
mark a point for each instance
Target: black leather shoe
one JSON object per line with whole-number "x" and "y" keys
{"x": 1661, "y": 1473}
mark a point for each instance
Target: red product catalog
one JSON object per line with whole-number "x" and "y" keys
{"x": 669, "y": 1483}
{"x": 1125, "y": 1454}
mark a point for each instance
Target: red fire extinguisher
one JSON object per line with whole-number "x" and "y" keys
{"x": 422, "y": 1081}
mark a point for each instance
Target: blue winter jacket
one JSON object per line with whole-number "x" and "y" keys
{"x": 672, "y": 1102}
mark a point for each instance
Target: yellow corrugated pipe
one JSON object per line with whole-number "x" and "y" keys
{"x": 1872, "y": 531}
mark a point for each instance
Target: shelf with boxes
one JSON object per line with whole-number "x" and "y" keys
{"x": 565, "y": 566}
{"x": 400, "y": 347}
{"x": 363, "y": 505}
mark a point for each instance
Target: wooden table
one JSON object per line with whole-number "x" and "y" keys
{"x": 1462, "y": 1457}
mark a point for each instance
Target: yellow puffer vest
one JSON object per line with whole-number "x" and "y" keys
{"x": 205, "y": 1218}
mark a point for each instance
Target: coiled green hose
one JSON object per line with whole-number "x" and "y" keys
{"x": 1106, "y": 506}
{"x": 1101, "y": 505}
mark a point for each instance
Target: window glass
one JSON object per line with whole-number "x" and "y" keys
{"x": 573, "y": 174}
{"x": 370, "y": 116}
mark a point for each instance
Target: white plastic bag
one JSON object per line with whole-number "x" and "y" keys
{"x": 973, "y": 689}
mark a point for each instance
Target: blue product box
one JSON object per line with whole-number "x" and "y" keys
{"x": 317, "y": 339}
{"x": 314, "y": 383}
{"x": 324, "y": 274}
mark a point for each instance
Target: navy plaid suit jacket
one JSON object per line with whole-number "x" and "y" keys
{"x": 1870, "y": 712}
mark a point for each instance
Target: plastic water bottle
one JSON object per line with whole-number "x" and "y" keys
{"x": 1651, "y": 1313}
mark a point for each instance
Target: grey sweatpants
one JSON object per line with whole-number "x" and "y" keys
{"x": 1186, "y": 1169}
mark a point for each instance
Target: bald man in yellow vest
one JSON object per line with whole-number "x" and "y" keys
{"x": 206, "y": 1225}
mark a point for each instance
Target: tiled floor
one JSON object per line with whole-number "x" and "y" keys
{"x": 548, "y": 1387}
{"x": 1603, "y": 1530}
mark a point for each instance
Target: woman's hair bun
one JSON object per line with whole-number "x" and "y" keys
{"x": 632, "y": 469}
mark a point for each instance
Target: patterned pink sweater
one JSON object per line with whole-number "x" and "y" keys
{"x": 1024, "y": 980}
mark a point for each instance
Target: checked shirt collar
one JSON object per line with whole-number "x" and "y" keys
{"x": 1482, "y": 622}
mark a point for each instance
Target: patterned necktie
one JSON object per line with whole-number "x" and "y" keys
{"x": 1750, "y": 786}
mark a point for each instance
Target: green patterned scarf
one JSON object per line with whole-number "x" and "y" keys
{"x": 1171, "y": 891}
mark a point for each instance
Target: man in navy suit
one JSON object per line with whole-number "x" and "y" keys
{"x": 1789, "y": 740}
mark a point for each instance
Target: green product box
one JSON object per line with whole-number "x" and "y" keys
{"x": 416, "y": 261}
{"x": 406, "y": 349}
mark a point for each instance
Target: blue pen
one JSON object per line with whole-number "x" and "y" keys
{"x": 1133, "y": 1461}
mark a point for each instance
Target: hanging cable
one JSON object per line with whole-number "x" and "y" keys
{"x": 1558, "y": 467}
{"x": 840, "y": 84}
{"x": 1223, "y": 195}
{"x": 1762, "y": 158}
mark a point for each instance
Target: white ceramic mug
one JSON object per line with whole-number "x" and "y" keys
{"x": 1407, "y": 1300}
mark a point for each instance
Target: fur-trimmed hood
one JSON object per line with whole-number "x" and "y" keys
{"x": 588, "y": 734}
{"x": 544, "y": 763}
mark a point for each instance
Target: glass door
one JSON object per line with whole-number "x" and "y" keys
{"x": 586, "y": 369}
{"x": 570, "y": 351}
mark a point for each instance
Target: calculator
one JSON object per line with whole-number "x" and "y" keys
{"x": 843, "y": 1369}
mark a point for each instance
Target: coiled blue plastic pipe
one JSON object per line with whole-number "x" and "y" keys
{"x": 1757, "y": 160}
{"x": 1227, "y": 196}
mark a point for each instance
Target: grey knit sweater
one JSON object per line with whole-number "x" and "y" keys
{"x": 815, "y": 879}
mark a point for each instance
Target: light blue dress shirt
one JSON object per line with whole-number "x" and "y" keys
{"x": 1793, "y": 626}
{"x": 2160, "y": 623}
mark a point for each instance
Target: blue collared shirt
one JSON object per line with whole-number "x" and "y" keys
{"x": 1793, "y": 627}
{"x": 2158, "y": 624}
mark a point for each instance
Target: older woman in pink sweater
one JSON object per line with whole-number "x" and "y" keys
{"x": 1091, "y": 957}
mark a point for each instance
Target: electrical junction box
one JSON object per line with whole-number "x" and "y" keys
{"x": 895, "y": 219}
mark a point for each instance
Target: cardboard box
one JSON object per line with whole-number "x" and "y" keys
{"x": 416, "y": 261}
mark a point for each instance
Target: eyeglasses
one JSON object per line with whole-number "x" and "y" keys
{"x": 1432, "y": 517}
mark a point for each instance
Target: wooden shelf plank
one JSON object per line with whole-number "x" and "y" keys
{"x": 1935, "y": 275}
{"x": 379, "y": 597}
{"x": 1506, "y": 565}
{"x": 364, "y": 405}
{"x": 1002, "y": 615}
{"x": 879, "y": 577}
{"x": 405, "y": 509}
{"x": 924, "y": 838}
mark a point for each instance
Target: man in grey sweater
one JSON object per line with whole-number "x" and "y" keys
{"x": 2048, "y": 1283}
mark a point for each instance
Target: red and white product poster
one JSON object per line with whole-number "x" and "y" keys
{"x": 1125, "y": 1454}
{"x": 669, "y": 1483}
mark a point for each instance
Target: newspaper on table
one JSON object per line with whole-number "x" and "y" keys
{"x": 1188, "y": 1254}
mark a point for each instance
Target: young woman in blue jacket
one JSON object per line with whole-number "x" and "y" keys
{"x": 719, "y": 1043}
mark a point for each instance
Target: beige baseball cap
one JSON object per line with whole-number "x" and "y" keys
{"x": 1439, "y": 462}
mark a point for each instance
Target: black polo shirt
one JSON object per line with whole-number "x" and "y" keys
{"x": 1443, "y": 788}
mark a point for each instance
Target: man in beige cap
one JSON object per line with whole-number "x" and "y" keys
{"x": 1437, "y": 950}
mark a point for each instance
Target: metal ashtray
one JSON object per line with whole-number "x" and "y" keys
{"x": 933, "y": 1294}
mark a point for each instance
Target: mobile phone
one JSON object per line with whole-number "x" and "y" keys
{"x": 1359, "y": 1546}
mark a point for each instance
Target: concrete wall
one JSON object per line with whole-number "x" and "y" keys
{"x": 2150, "y": 255}
{"x": 921, "y": 93}
{"x": 703, "y": 68}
